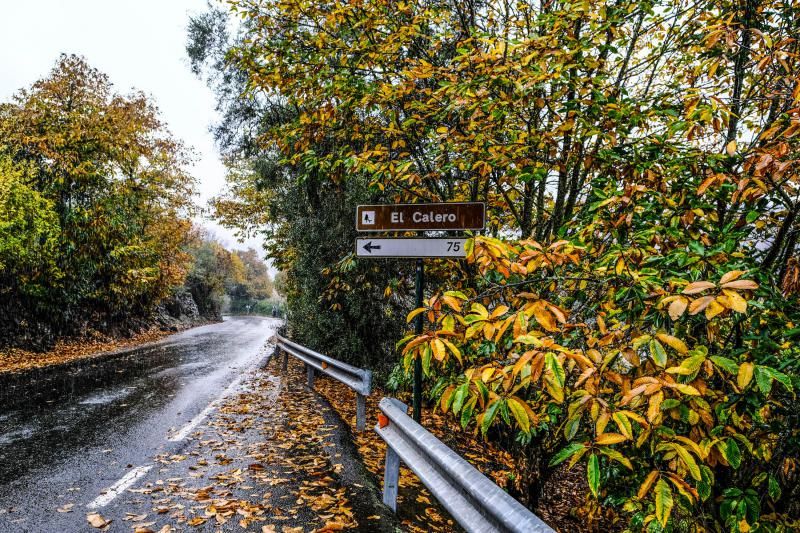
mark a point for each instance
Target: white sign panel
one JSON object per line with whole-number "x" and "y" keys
{"x": 410, "y": 247}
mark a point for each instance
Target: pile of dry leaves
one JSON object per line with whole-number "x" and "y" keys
{"x": 417, "y": 509}
{"x": 67, "y": 350}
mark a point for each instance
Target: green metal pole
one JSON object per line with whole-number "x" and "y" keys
{"x": 418, "y": 361}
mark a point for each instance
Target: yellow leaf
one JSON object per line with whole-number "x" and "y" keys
{"x": 438, "y": 349}
{"x": 452, "y": 347}
{"x": 521, "y": 362}
{"x": 654, "y": 407}
{"x": 646, "y": 484}
{"x": 609, "y": 438}
{"x": 602, "y": 422}
{"x": 693, "y": 445}
{"x": 673, "y": 342}
{"x": 498, "y": 312}
{"x": 520, "y": 414}
{"x": 454, "y": 303}
{"x": 714, "y": 308}
{"x": 480, "y": 310}
{"x": 620, "y": 266}
{"x": 414, "y": 313}
{"x": 686, "y": 389}
{"x": 520, "y": 325}
{"x": 545, "y": 319}
{"x": 623, "y": 424}
{"x": 688, "y": 460}
{"x": 730, "y": 276}
{"x": 745, "y": 375}
{"x": 488, "y": 330}
{"x": 737, "y": 303}
{"x": 730, "y": 148}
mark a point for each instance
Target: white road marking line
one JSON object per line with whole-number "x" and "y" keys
{"x": 194, "y": 422}
{"x": 119, "y": 487}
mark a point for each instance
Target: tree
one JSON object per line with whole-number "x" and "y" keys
{"x": 117, "y": 183}
{"x": 211, "y": 269}
{"x": 250, "y": 283}
{"x": 632, "y": 306}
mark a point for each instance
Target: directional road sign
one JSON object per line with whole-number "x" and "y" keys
{"x": 421, "y": 217}
{"x": 410, "y": 248}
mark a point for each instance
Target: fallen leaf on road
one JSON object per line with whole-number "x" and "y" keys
{"x": 134, "y": 517}
{"x": 97, "y": 521}
{"x": 66, "y": 508}
{"x": 268, "y": 529}
{"x": 197, "y": 521}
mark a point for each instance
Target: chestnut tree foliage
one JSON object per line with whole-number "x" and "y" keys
{"x": 94, "y": 207}
{"x": 631, "y": 309}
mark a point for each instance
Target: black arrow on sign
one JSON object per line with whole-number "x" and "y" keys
{"x": 369, "y": 247}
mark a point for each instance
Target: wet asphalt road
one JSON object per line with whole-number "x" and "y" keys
{"x": 69, "y": 447}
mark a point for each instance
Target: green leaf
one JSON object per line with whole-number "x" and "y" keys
{"x": 725, "y": 364}
{"x": 763, "y": 379}
{"x": 663, "y": 502}
{"x": 566, "y": 453}
{"x": 658, "y": 353}
{"x": 593, "y": 474}
{"x": 459, "y": 397}
{"x": 426, "y": 359}
{"x": 732, "y": 453}
{"x": 781, "y": 378}
{"x": 488, "y": 416}
{"x": 773, "y": 488}
{"x": 466, "y": 412}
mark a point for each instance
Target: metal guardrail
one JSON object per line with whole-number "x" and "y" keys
{"x": 471, "y": 498}
{"x": 358, "y": 379}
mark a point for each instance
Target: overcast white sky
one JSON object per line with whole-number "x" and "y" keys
{"x": 140, "y": 44}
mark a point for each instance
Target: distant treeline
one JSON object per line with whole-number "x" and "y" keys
{"x": 95, "y": 216}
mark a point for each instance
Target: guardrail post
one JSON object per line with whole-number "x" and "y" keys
{"x": 310, "y": 376}
{"x": 361, "y": 412}
{"x": 285, "y": 360}
{"x": 391, "y": 478}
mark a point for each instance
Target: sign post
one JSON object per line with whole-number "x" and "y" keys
{"x": 417, "y": 217}
{"x": 420, "y": 284}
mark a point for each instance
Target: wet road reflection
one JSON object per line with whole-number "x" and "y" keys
{"x": 85, "y": 428}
